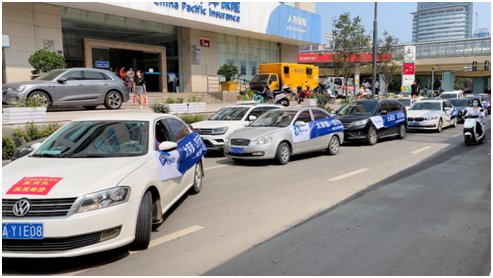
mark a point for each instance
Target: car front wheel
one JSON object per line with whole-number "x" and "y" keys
{"x": 113, "y": 100}
{"x": 197, "y": 179}
{"x": 41, "y": 97}
{"x": 144, "y": 224}
{"x": 372, "y": 136}
{"x": 283, "y": 153}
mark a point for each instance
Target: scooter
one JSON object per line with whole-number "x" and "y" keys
{"x": 300, "y": 95}
{"x": 471, "y": 132}
{"x": 327, "y": 92}
{"x": 282, "y": 97}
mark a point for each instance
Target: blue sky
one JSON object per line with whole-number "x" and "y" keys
{"x": 395, "y": 17}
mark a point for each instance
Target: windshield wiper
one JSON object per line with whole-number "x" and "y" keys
{"x": 48, "y": 155}
{"x": 92, "y": 155}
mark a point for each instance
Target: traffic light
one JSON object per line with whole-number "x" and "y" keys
{"x": 474, "y": 66}
{"x": 486, "y": 65}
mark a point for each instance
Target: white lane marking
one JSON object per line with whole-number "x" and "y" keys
{"x": 348, "y": 174}
{"x": 214, "y": 167}
{"x": 161, "y": 240}
{"x": 153, "y": 243}
{"x": 422, "y": 149}
{"x": 457, "y": 135}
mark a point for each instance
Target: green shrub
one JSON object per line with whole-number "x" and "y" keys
{"x": 171, "y": 100}
{"x": 179, "y": 100}
{"x": 45, "y": 61}
{"x": 192, "y": 118}
{"x": 194, "y": 99}
{"x": 49, "y": 129}
{"x": 160, "y": 108}
{"x": 8, "y": 148}
{"x": 322, "y": 100}
{"x": 228, "y": 71}
{"x": 32, "y": 132}
{"x": 20, "y": 136}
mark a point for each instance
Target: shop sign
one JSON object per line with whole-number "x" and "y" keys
{"x": 204, "y": 42}
{"x": 289, "y": 22}
{"x": 228, "y": 11}
{"x": 408, "y": 68}
{"x": 407, "y": 81}
{"x": 103, "y": 64}
{"x": 410, "y": 53}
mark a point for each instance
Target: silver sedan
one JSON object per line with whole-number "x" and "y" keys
{"x": 280, "y": 133}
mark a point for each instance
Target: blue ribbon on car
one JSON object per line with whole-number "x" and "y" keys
{"x": 325, "y": 126}
{"x": 393, "y": 119}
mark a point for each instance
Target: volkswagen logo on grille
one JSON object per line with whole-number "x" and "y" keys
{"x": 21, "y": 207}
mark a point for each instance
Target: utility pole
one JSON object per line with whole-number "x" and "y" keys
{"x": 375, "y": 35}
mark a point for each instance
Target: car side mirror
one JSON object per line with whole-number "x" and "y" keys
{"x": 252, "y": 118}
{"x": 36, "y": 146}
{"x": 383, "y": 112}
{"x": 299, "y": 123}
{"x": 168, "y": 146}
{"x": 62, "y": 80}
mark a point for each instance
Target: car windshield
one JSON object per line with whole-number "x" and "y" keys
{"x": 51, "y": 75}
{"x": 426, "y": 106}
{"x": 230, "y": 114}
{"x": 274, "y": 118}
{"x": 100, "y": 139}
{"x": 359, "y": 108}
{"x": 260, "y": 78}
{"x": 448, "y": 95}
{"x": 459, "y": 102}
{"x": 405, "y": 102}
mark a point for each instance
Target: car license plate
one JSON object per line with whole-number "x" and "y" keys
{"x": 237, "y": 150}
{"x": 22, "y": 231}
{"x": 414, "y": 124}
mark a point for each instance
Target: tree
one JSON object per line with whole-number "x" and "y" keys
{"x": 350, "y": 41}
{"x": 228, "y": 71}
{"x": 44, "y": 61}
{"x": 389, "y": 66}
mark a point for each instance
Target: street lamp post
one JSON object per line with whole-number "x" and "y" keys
{"x": 375, "y": 35}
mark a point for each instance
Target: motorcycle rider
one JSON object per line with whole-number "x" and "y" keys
{"x": 475, "y": 111}
{"x": 269, "y": 96}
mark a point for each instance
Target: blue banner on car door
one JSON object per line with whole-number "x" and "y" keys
{"x": 388, "y": 120}
{"x": 175, "y": 163}
{"x": 315, "y": 129}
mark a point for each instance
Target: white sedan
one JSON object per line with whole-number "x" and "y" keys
{"x": 432, "y": 115}
{"x": 98, "y": 183}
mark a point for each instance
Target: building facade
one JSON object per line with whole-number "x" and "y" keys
{"x": 443, "y": 20}
{"x": 182, "y": 41}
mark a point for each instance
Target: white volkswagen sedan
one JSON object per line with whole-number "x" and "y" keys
{"x": 98, "y": 183}
{"x": 217, "y": 128}
{"x": 432, "y": 115}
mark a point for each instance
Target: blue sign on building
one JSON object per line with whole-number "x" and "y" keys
{"x": 286, "y": 21}
{"x": 103, "y": 64}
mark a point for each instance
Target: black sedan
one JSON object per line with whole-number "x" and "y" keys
{"x": 369, "y": 120}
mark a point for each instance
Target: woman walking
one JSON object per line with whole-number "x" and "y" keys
{"x": 140, "y": 88}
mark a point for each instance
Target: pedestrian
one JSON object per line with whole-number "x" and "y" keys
{"x": 140, "y": 88}
{"x": 414, "y": 90}
{"x": 269, "y": 96}
{"x": 122, "y": 73}
{"x": 130, "y": 80}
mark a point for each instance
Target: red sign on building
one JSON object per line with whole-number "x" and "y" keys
{"x": 331, "y": 57}
{"x": 204, "y": 42}
{"x": 408, "y": 68}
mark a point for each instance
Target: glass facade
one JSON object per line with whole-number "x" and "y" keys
{"x": 442, "y": 21}
{"x": 245, "y": 53}
{"x": 79, "y": 24}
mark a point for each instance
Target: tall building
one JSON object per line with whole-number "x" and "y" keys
{"x": 442, "y": 21}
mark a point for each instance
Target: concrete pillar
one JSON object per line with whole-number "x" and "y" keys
{"x": 186, "y": 60}
{"x": 448, "y": 80}
{"x": 479, "y": 84}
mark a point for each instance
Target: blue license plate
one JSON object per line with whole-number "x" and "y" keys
{"x": 22, "y": 231}
{"x": 237, "y": 150}
{"x": 414, "y": 124}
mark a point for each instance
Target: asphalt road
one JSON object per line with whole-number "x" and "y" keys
{"x": 415, "y": 206}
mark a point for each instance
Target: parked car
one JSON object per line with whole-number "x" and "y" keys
{"x": 452, "y": 94}
{"x": 280, "y": 133}
{"x": 432, "y": 114}
{"x": 407, "y": 102}
{"x": 98, "y": 183}
{"x": 461, "y": 104}
{"x": 228, "y": 119}
{"x": 85, "y": 87}
{"x": 369, "y": 120}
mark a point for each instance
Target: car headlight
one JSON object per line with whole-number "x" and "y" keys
{"x": 105, "y": 198}
{"x": 431, "y": 118}
{"x": 19, "y": 89}
{"x": 263, "y": 140}
{"x": 360, "y": 122}
{"x": 220, "y": 130}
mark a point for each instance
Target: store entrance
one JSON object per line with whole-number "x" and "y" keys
{"x": 114, "y": 59}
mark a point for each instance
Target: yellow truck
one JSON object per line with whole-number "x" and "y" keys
{"x": 276, "y": 75}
